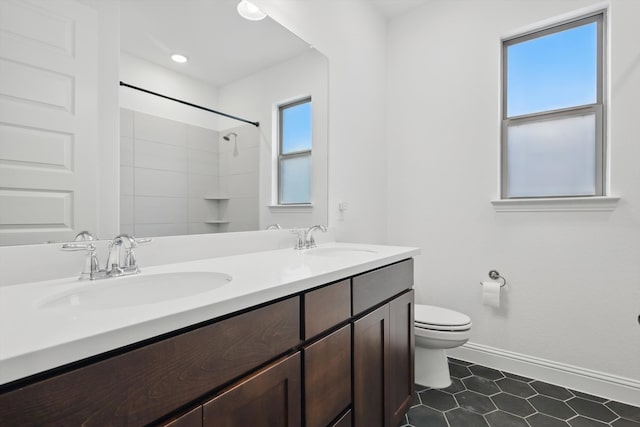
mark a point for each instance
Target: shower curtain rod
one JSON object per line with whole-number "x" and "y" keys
{"x": 256, "y": 124}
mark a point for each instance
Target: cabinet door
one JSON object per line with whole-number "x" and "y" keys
{"x": 401, "y": 357}
{"x": 344, "y": 421}
{"x": 371, "y": 368}
{"x": 270, "y": 398}
{"x": 327, "y": 374}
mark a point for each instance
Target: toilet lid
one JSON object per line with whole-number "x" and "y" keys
{"x": 431, "y": 316}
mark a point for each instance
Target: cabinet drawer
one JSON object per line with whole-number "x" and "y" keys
{"x": 326, "y": 307}
{"x": 327, "y": 373}
{"x": 379, "y": 285}
{"x": 268, "y": 398}
{"x": 142, "y": 385}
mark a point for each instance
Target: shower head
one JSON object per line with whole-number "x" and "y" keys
{"x": 228, "y": 136}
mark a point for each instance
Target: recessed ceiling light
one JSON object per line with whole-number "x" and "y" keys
{"x": 250, "y": 11}
{"x": 180, "y": 59}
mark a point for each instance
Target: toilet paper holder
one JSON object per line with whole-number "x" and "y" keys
{"x": 494, "y": 275}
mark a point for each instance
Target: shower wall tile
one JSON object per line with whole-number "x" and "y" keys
{"x": 202, "y": 139}
{"x": 126, "y": 123}
{"x": 203, "y": 185}
{"x": 126, "y": 210}
{"x": 157, "y": 129}
{"x": 126, "y": 181}
{"x": 168, "y": 167}
{"x": 201, "y": 210}
{"x": 242, "y": 214}
{"x": 160, "y": 210}
{"x": 247, "y": 138}
{"x": 128, "y": 229}
{"x": 202, "y": 162}
{"x": 160, "y": 183}
{"x": 240, "y": 185}
{"x": 126, "y": 151}
{"x": 153, "y": 155}
{"x": 202, "y": 228}
{"x": 245, "y": 162}
{"x": 156, "y": 230}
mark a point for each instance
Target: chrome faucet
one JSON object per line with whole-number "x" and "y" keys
{"x": 309, "y": 241}
{"x": 114, "y": 267}
{"x": 304, "y": 238}
{"x": 91, "y": 270}
{"x": 274, "y": 227}
{"x": 84, "y": 236}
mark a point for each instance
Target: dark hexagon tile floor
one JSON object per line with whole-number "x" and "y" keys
{"x": 484, "y": 397}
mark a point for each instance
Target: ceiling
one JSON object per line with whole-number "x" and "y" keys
{"x": 221, "y": 46}
{"x": 392, "y": 8}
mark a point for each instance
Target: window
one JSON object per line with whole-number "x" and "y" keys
{"x": 552, "y": 112}
{"x": 294, "y": 153}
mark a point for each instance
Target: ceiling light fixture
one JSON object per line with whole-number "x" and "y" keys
{"x": 180, "y": 59}
{"x": 250, "y": 11}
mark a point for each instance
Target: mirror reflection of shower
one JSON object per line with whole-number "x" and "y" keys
{"x": 228, "y": 137}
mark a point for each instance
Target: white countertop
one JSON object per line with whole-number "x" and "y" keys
{"x": 34, "y": 339}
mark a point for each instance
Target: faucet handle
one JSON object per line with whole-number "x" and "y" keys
{"x": 84, "y": 236}
{"x": 300, "y": 238}
{"x": 91, "y": 265}
{"x": 309, "y": 240}
{"x": 142, "y": 241}
{"x": 130, "y": 261}
{"x": 74, "y": 247}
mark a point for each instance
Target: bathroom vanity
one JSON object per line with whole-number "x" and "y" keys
{"x": 332, "y": 346}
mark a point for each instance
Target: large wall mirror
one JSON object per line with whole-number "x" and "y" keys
{"x": 170, "y": 168}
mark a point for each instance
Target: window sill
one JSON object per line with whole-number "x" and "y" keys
{"x": 303, "y": 207}
{"x": 561, "y": 204}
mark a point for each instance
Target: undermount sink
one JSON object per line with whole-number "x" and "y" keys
{"x": 136, "y": 290}
{"x": 337, "y": 251}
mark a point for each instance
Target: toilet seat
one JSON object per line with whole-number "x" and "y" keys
{"x": 440, "y": 319}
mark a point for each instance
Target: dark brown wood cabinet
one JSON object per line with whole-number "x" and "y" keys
{"x": 140, "y": 386}
{"x": 269, "y": 398}
{"x": 383, "y": 352}
{"x": 193, "y": 418}
{"x": 326, "y": 307}
{"x": 380, "y": 285}
{"x": 338, "y": 355}
{"x": 327, "y": 373}
{"x": 371, "y": 368}
{"x": 345, "y": 420}
{"x": 401, "y": 356}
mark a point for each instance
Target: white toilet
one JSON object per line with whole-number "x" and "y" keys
{"x": 437, "y": 329}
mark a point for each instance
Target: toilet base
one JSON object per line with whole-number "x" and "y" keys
{"x": 432, "y": 368}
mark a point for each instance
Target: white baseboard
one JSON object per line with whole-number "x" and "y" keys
{"x": 601, "y": 384}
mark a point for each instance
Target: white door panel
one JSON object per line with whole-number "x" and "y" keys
{"x": 48, "y": 120}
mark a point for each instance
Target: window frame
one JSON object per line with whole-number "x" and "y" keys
{"x": 598, "y": 108}
{"x": 294, "y": 154}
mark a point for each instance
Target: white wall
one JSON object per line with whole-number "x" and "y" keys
{"x": 352, "y": 35}
{"x": 144, "y": 74}
{"x": 256, "y": 97}
{"x": 573, "y": 276}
